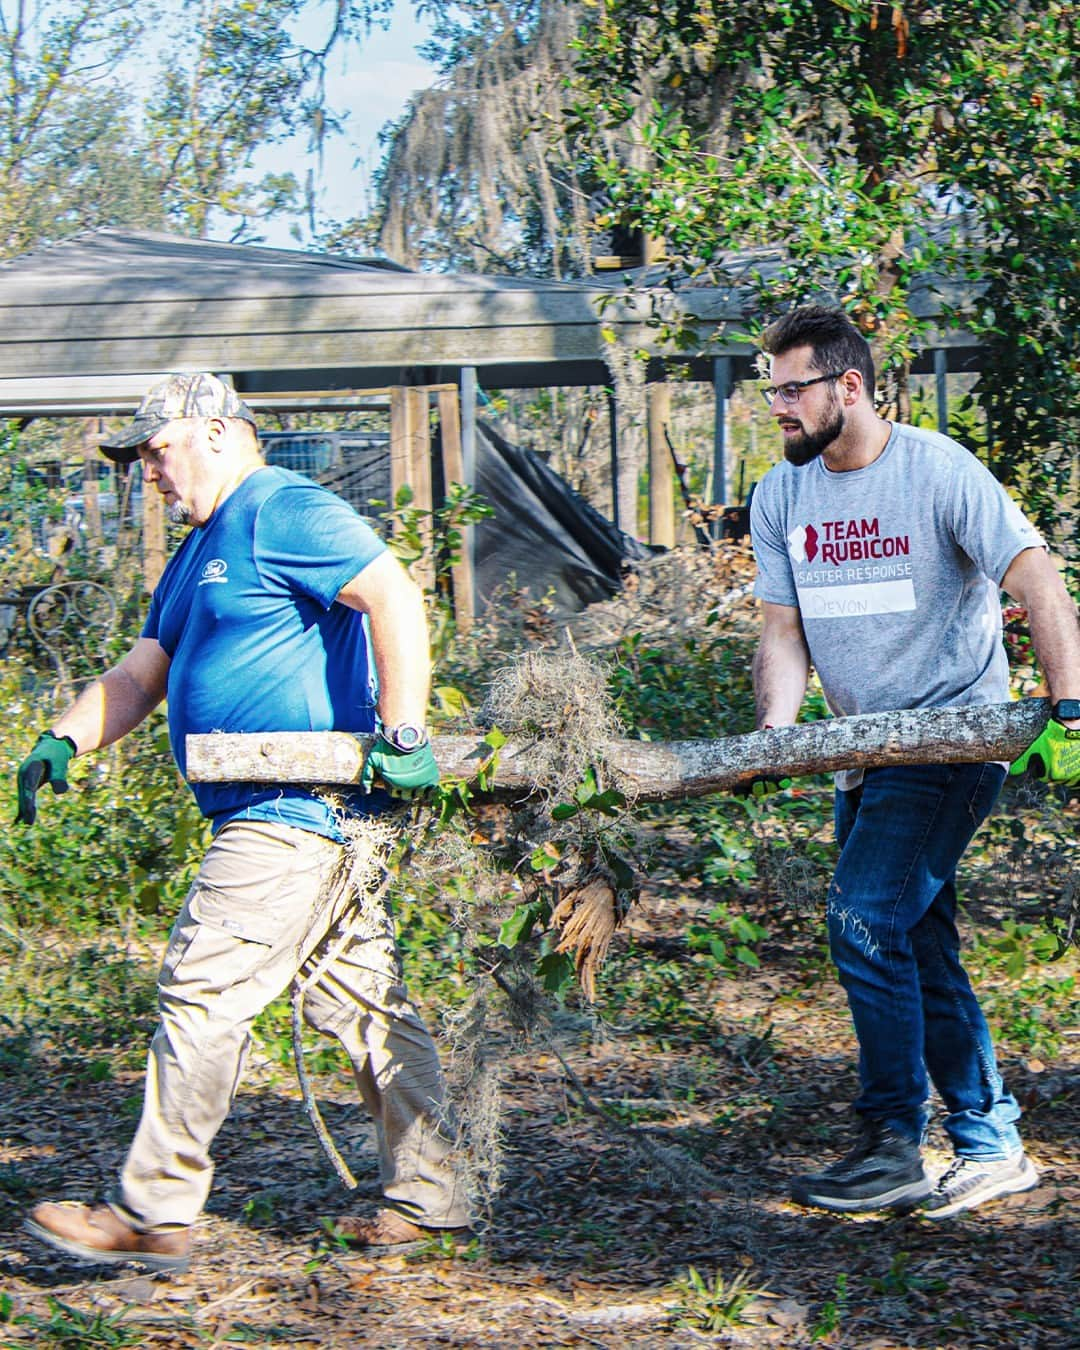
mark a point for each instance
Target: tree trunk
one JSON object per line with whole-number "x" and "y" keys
{"x": 652, "y": 770}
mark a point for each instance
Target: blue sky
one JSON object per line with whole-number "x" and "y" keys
{"x": 372, "y": 89}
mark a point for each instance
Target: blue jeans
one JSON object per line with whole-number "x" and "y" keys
{"x": 892, "y": 932}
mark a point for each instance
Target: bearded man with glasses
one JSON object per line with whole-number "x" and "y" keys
{"x": 880, "y": 551}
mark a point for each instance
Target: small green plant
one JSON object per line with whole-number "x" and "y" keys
{"x": 900, "y": 1280}
{"x": 259, "y": 1210}
{"x": 330, "y": 1244}
{"x": 717, "y": 1304}
{"x": 446, "y": 1248}
{"x": 12, "y": 1181}
{"x": 733, "y": 859}
{"x": 729, "y": 939}
{"x": 683, "y": 687}
{"x": 832, "y": 1311}
{"x": 66, "y": 1328}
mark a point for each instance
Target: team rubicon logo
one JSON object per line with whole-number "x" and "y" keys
{"x": 802, "y": 543}
{"x": 845, "y": 541}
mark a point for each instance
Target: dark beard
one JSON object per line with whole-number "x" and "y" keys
{"x": 179, "y": 513}
{"x": 810, "y": 444}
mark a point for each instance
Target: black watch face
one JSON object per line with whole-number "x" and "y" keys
{"x": 1067, "y": 709}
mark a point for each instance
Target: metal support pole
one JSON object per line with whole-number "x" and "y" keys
{"x": 941, "y": 368}
{"x": 468, "y": 424}
{"x": 468, "y": 467}
{"x": 613, "y": 427}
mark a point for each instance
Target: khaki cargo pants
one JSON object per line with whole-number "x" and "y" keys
{"x": 264, "y": 901}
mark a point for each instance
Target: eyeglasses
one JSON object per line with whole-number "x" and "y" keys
{"x": 791, "y": 391}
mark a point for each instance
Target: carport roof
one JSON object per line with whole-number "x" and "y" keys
{"x": 88, "y": 323}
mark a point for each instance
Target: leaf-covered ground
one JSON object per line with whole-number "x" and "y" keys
{"x": 649, "y": 1135}
{"x": 645, "y": 1138}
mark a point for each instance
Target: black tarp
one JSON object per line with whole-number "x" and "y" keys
{"x": 543, "y": 534}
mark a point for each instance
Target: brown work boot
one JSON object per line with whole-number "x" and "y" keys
{"x": 389, "y": 1233}
{"x": 98, "y": 1236}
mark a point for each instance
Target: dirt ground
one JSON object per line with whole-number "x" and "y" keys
{"x": 645, "y": 1137}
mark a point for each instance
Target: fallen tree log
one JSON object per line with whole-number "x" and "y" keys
{"x": 654, "y": 770}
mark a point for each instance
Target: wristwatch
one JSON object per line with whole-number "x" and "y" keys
{"x": 406, "y": 737}
{"x": 1066, "y": 709}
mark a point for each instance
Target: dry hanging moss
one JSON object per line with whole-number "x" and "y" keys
{"x": 474, "y": 1108}
{"x": 363, "y": 871}
{"x": 560, "y": 700}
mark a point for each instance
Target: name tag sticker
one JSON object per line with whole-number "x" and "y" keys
{"x": 856, "y": 602}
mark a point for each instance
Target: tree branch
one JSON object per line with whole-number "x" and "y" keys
{"x": 652, "y": 770}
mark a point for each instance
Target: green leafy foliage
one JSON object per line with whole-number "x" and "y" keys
{"x": 872, "y": 147}
{"x": 126, "y": 838}
{"x": 730, "y": 939}
{"x": 432, "y": 540}
{"x": 693, "y": 685}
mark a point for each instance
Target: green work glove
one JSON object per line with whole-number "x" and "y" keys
{"x": 760, "y": 788}
{"x": 46, "y": 763}
{"x": 1053, "y": 755}
{"x": 404, "y": 773}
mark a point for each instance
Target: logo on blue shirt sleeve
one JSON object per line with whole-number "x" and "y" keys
{"x": 214, "y": 573}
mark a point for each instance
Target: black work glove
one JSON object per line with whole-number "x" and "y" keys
{"x": 405, "y": 773}
{"x": 46, "y": 763}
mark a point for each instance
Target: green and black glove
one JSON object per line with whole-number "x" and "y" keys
{"x": 1054, "y": 755}
{"x": 46, "y": 763}
{"x": 760, "y": 788}
{"x": 404, "y": 773}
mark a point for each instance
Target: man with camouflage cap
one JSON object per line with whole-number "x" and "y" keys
{"x": 281, "y": 610}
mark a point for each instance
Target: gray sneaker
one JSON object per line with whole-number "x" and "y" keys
{"x": 968, "y": 1182}
{"x": 883, "y": 1171}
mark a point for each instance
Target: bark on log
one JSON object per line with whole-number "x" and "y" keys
{"x": 656, "y": 770}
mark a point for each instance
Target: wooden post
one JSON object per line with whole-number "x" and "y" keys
{"x": 418, "y": 403}
{"x": 399, "y": 444}
{"x": 661, "y": 500}
{"x": 653, "y": 249}
{"x": 461, "y": 572}
{"x": 469, "y": 391}
{"x": 722, "y": 390}
{"x": 153, "y": 524}
{"x": 631, "y": 438}
{"x": 410, "y": 463}
{"x": 92, "y": 433}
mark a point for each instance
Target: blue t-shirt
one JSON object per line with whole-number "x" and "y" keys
{"x": 246, "y": 613}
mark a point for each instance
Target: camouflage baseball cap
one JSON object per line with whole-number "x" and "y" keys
{"x": 175, "y": 397}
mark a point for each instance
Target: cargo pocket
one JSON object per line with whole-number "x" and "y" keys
{"x": 264, "y": 919}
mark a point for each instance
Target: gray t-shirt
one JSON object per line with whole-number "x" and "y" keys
{"x": 895, "y": 571}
